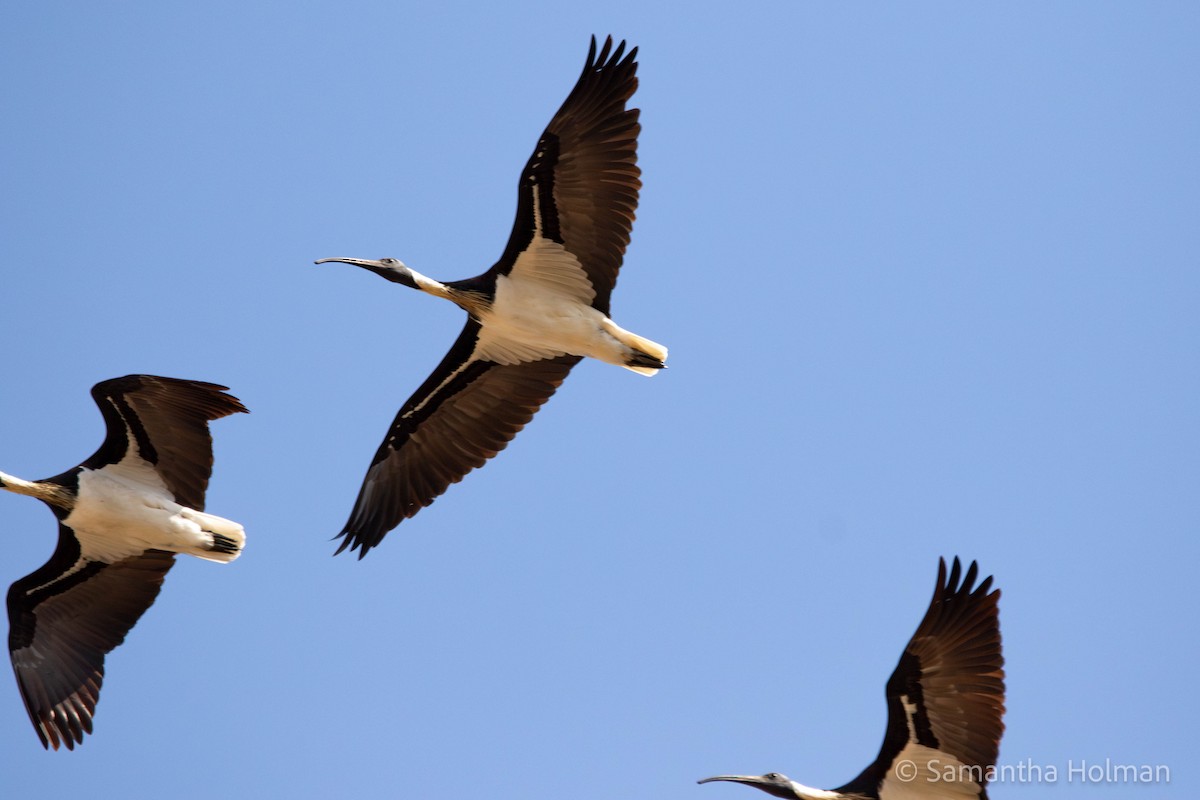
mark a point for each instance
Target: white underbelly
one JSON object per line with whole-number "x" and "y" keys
{"x": 528, "y": 322}
{"x": 114, "y": 519}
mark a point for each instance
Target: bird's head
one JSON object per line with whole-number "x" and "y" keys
{"x": 391, "y": 268}
{"x": 775, "y": 784}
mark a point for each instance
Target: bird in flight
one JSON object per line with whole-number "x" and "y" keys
{"x": 945, "y": 702}
{"x": 532, "y": 316}
{"x": 122, "y": 514}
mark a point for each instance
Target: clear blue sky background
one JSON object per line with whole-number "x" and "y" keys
{"x": 930, "y": 278}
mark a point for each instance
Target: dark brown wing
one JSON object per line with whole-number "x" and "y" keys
{"x": 958, "y": 668}
{"x": 164, "y": 423}
{"x": 952, "y": 675}
{"x": 580, "y": 186}
{"x": 63, "y": 620}
{"x": 466, "y": 411}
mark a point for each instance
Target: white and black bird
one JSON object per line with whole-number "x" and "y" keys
{"x": 945, "y": 704}
{"x": 532, "y": 316}
{"x": 122, "y": 514}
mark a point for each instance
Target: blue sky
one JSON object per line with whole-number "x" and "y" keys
{"x": 929, "y": 277}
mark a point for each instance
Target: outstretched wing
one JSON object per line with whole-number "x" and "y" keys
{"x": 466, "y": 411}
{"x": 161, "y": 424}
{"x": 946, "y": 696}
{"x": 578, "y": 193}
{"x": 64, "y": 619}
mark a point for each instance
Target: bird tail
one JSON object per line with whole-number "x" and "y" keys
{"x": 646, "y": 357}
{"x": 220, "y": 539}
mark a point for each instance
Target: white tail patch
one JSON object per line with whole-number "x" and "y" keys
{"x": 638, "y": 344}
{"x": 221, "y": 539}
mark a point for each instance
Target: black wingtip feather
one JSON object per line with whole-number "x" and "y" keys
{"x": 353, "y": 542}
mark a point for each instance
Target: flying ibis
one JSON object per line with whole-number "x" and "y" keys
{"x": 945, "y": 702}
{"x": 532, "y": 316}
{"x": 122, "y": 514}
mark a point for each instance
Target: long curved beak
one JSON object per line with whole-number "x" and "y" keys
{"x": 734, "y": 778}
{"x": 358, "y": 262}
{"x": 772, "y": 783}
